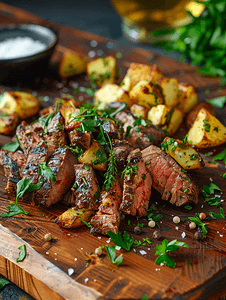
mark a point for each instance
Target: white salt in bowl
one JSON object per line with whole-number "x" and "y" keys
{"x": 25, "y": 51}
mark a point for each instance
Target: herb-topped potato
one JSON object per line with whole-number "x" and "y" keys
{"x": 102, "y": 70}
{"x": 185, "y": 155}
{"x": 170, "y": 90}
{"x": 188, "y": 97}
{"x": 207, "y": 131}
{"x": 190, "y": 119}
{"x": 8, "y": 121}
{"x": 72, "y": 64}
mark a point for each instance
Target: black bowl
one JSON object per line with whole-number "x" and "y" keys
{"x": 15, "y": 70}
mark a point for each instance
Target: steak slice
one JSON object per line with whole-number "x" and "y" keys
{"x": 30, "y": 135}
{"x": 121, "y": 149}
{"x": 68, "y": 199}
{"x": 137, "y": 184}
{"x": 168, "y": 178}
{"x": 55, "y": 136}
{"x": 85, "y": 188}
{"x": 112, "y": 129}
{"x": 79, "y": 138}
{"x": 61, "y": 163}
{"x": 17, "y": 156}
{"x": 108, "y": 216}
{"x": 126, "y": 118}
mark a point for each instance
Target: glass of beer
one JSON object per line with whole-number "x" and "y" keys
{"x": 141, "y": 17}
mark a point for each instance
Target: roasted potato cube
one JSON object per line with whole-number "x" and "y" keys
{"x": 95, "y": 156}
{"x": 102, "y": 70}
{"x": 146, "y": 94}
{"x": 190, "y": 119}
{"x": 72, "y": 64}
{"x": 8, "y": 121}
{"x": 126, "y": 83}
{"x": 207, "y": 131}
{"x": 170, "y": 90}
{"x": 139, "y": 72}
{"x": 166, "y": 117}
{"x": 185, "y": 155}
{"x": 111, "y": 93}
{"x": 23, "y": 104}
{"x": 72, "y": 218}
{"x": 64, "y": 103}
{"x": 139, "y": 111}
{"x": 188, "y": 97}
{"x": 69, "y": 114}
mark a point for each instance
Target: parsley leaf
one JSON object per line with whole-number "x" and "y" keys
{"x": 3, "y": 282}
{"x": 198, "y": 222}
{"x": 88, "y": 224}
{"x": 165, "y": 247}
{"x": 112, "y": 255}
{"x": 216, "y": 215}
{"x": 11, "y": 146}
{"x": 46, "y": 172}
{"x": 118, "y": 240}
{"x": 22, "y": 253}
{"x": 221, "y": 156}
{"x": 188, "y": 207}
{"x": 218, "y": 102}
{"x": 210, "y": 189}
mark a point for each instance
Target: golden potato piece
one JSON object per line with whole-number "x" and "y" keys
{"x": 188, "y": 97}
{"x": 8, "y": 121}
{"x": 170, "y": 90}
{"x": 146, "y": 94}
{"x": 102, "y": 70}
{"x": 23, "y": 104}
{"x": 185, "y": 155}
{"x": 72, "y": 64}
{"x": 166, "y": 117}
{"x": 139, "y": 72}
{"x": 95, "y": 156}
{"x": 69, "y": 114}
{"x": 72, "y": 218}
{"x": 207, "y": 131}
{"x": 139, "y": 111}
{"x": 190, "y": 119}
{"x": 111, "y": 93}
{"x": 126, "y": 83}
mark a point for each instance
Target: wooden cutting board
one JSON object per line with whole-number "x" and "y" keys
{"x": 200, "y": 272}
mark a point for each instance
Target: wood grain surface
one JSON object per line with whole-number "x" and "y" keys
{"x": 44, "y": 272}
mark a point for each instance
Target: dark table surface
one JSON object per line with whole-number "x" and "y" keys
{"x": 96, "y": 16}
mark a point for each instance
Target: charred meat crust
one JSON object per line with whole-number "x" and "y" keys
{"x": 79, "y": 138}
{"x": 121, "y": 150}
{"x": 168, "y": 178}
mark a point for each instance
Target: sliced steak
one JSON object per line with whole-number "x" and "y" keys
{"x": 168, "y": 178}
{"x": 121, "y": 149}
{"x": 55, "y": 135}
{"x": 30, "y": 135}
{"x": 17, "y": 156}
{"x": 137, "y": 184}
{"x": 85, "y": 188}
{"x": 68, "y": 199}
{"x": 112, "y": 129}
{"x": 144, "y": 136}
{"x": 61, "y": 163}
{"x": 108, "y": 216}
{"x": 79, "y": 138}
{"x": 126, "y": 118}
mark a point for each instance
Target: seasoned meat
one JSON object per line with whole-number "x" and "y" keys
{"x": 121, "y": 149}
{"x": 112, "y": 129}
{"x": 17, "y": 156}
{"x": 108, "y": 216}
{"x": 168, "y": 178}
{"x": 79, "y": 138}
{"x": 142, "y": 137}
{"x": 55, "y": 135}
{"x": 61, "y": 163}
{"x": 85, "y": 188}
{"x": 30, "y": 135}
{"x": 137, "y": 184}
{"x": 126, "y": 118}
{"x": 68, "y": 199}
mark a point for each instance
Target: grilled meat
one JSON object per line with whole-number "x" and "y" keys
{"x": 108, "y": 216}
{"x": 121, "y": 149}
{"x": 17, "y": 156}
{"x": 168, "y": 178}
{"x": 79, "y": 138}
{"x": 55, "y": 136}
{"x": 30, "y": 135}
{"x": 85, "y": 188}
{"x": 126, "y": 118}
{"x": 61, "y": 163}
{"x": 137, "y": 184}
{"x": 112, "y": 129}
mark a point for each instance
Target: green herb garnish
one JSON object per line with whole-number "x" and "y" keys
{"x": 112, "y": 255}
{"x": 12, "y": 146}
{"x": 3, "y": 282}
{"x": 22, "y": 253}
{"x": 46, "y": 172}
{"x": 198, "y": 222}
{"x": 218, "y": 215}
{"x": 117, "y": 239}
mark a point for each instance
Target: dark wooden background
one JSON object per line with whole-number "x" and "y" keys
{"x": 137, "y": 275}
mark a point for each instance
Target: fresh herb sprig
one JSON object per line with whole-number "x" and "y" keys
{"x": 210, "y": 190}
{"x": 117, "y": 239}
{"x": 12, "y": 146}
{"x": 166, "y": 247}
{"x": 3, "y": 282}
{"x": 22, "y": 253}
{"x": 220, "y": 215}
{"x": 198, "y": 222}
{"x": 112, "y": 255}
{"x": 202, "y": 41}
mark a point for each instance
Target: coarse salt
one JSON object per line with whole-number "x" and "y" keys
{"x": 86, "y": 280}
{"x": 183, "y": 234}
{"x": 20, "y": 47}
{"x": 142, "y": 252}
{"x": 70, "y": 271}
{"x": 176, "y": 227}
{"x": 99, "y": 237}
{"x": 75, "y": 259}
{"x": 117, "y": 247}
{"x": 221, "y": 235}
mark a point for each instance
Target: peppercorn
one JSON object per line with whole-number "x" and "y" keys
{"x": 198, "y": 235}
{"x": 156, "y": 234}
{"x": 151, "y": 223}
{"x": 202, "y": 216}
{"x": 176, "y": 220}
{"x": 192, "y": 225}
{"x": 48, "y": 237}
{"x": 98, "y": 251}
{"x": 137, "y": 229}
